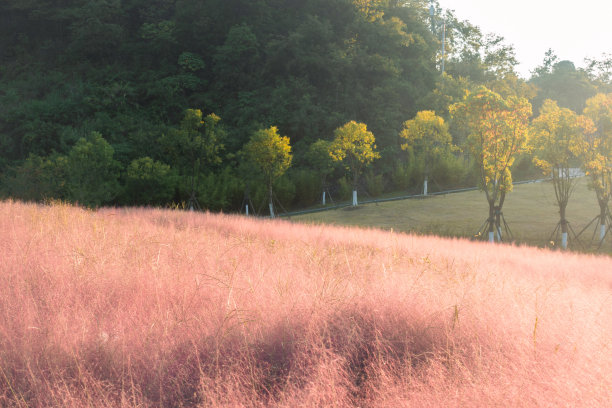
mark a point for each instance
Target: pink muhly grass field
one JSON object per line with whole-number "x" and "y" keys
{"x": 141, "y": 307}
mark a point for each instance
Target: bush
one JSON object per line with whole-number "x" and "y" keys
{"x": 149, "y": 182}
{"x": 406, "y": 176}
{"x": 345, "y": 188}
{"x": 284, "y": 193}
{"x": 308, "y": 188}
{"x": 37, "y": 179}
{"x": 92, "y": 172}
{"x": 374, "y": 184}
{"x": 221, "y": 191}
{"x": 449, "y": 172}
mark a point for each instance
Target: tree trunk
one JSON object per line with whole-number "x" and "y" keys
{"x": 602, "y": 221}
{"x": 323, "y": 201}
{"x": 563, "y": 227}
{"x": 355, "y": 179}
{"x": 491, "y": 221}
{"x": 426, "y": 178}
{"x": 498, "y": 223}
{"x": 271, "y": 204}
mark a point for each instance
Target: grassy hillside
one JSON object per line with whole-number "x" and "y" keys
{"x": 530, "y": 210}
{"x": 139, "y": 308}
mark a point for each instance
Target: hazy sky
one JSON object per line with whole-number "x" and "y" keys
{"x": 574, "y": 30}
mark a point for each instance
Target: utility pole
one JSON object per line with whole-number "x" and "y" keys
{"x": 434, "y": 30}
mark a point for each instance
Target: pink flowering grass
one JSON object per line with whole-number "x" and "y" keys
{"x": 140, "y": 307}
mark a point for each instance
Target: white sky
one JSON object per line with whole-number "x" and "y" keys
{"x": 574, "y": 30}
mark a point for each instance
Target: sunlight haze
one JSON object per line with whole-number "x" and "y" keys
{"x": 573, "y": 30}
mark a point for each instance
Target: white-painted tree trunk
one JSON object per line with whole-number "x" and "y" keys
{"x": 247, "y": 210}
{"x": 271, "y": 210}
{"x": 324, "y": 198}
{"x": 425, "y": 187}
{"x": 491, "y": 236}
{"x": 355, "y": 203}
{"x": 564, "y": 240}
{"x": 499, "y": 234}
{"x": 602, "y": 232}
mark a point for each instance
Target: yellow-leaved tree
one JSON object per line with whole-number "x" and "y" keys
{"x": 498, "y": 132}
{"x": 271, "y": 154}
{"x": 556, "y": 137}
{"x": 355, "y": 146}
{"x": 428, "y": 136}
{"x": 595, "y": 150}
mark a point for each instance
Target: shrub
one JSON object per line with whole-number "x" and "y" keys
{"x": 308, "y": 188}
{"x": 149, "y": 182}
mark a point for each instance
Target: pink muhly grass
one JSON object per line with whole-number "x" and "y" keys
{"x": 141, "y": 307}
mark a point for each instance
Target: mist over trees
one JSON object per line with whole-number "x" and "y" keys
{"x": 94, "y": 94}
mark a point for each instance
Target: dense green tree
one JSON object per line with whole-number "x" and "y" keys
{"x": 194, "y": 147}
{"x": 563, "y": 83}
{"x": 92, "y": 172}
{"x": 149, "y": 182}
{"x": 321, "y": 162}
{"x": 130, "y": 69}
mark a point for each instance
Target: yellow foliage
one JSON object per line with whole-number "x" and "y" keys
{"x": 355, "y": 144}
{"x": 498, "y": 132}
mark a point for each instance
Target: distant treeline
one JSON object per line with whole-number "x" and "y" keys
{"x": 95, "y": 95}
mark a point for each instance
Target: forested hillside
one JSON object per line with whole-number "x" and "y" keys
{"x": 96, "y": 95}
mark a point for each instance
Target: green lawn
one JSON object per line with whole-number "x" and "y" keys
{"x": 530, "y": 210}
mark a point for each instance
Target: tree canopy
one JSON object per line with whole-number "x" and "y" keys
{"x": 133, "y": 71}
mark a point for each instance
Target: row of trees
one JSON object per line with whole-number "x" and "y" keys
{"x": 498, "y": 130}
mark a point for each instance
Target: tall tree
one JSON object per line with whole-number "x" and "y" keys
{"x": 93, "y": 173}
{"x": 428, "y": 136}
{"x": 498, "y": 132}
{"x": 595, "y": 150}
{"x": 563, "y": 83}
{"x": 319, "y": 159}
{"x": 193, "y": 147}
{"x": 556, "y": 135}
{"x": 355, "y": 146}
{"x": 271, "y": 153}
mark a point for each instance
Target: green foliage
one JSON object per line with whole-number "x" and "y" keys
{"x": 563, "y": 83}
{"x": 284, "y": 193}
{"x": 405, "y": 175}
{"x": 92, "y": 172}
{"x": 319, "y": 159}
{"x": 270, "y": 153}
{"x": 131, "y": 70}
{"x": 374, "y": 183}
{"x": 149, "y": 182}
{"x": 221, "y": 191}
{"x": 37, "y": 179}
{"x": 451, "y": 171}
{"x": 308, "y": 188}
{"x": 195, "y": 147}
